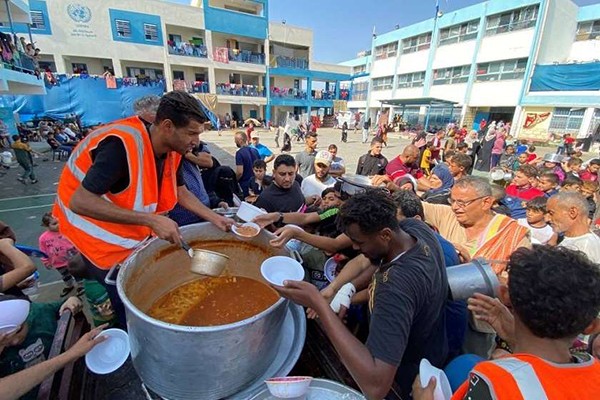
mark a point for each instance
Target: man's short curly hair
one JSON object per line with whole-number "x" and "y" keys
{"x": 372, "y": 211}
{"x": 554, "y": 291}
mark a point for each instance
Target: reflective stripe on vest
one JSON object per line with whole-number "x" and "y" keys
{"x": 525, "y": 377}
{"x": 95, "y": 230}
{"x": 136, "y": 135}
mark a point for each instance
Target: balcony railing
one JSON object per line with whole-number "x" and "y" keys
{"x": 188, "y": 49}
{"x": 323, "y": 95}
{"x": 192, "y": 86}
{"x": 225, "y": 55}
{"x": 291, "y": 62}
{"x": 288, "y": 93}
{"x": 235, "y": 89}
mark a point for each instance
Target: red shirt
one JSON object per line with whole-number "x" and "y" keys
{"x": 396, "y": 169}
{"x": 588, "y": 176}
{"x": 531, "y": 156}
{"x": 523, "y": 194}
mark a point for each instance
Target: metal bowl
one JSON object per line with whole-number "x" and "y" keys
{"x": 210, "y": 263}
{"x": 227, "y": 212}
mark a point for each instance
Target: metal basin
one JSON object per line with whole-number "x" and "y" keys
{"x": 183, "y": 362}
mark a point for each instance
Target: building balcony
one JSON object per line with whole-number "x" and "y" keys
{"x": 226, "y": 55}
{"x": 290, "y": 62}
{"x": 236, "y": 89}
{"x": 323, "y": 95}
{"x": 188, "y": 49}
{"x": 199, "y": 87}
{"x": 288, "y": 93}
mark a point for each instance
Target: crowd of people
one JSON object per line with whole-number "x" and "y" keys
{"x": 389, "y": 304}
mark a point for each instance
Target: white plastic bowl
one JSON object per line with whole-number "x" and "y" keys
{"x": 110, "y": 355}
{"x": 442, "y": 391}
{"x": 12, "y": 314}
{"x": 329, "y": 269}
{"x": 247, "y": 212}
{"x": 278, "y": 269}
{"x": 236, "y": 232}
{"x": 289, "y": 387}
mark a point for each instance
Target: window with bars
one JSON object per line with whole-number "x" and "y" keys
{"x": 386, "y": 51}
{"x": 501, "y": 70}
{"x": 37, "y": 20}
{"x": 123, "y": 28}
{"x": 416, "y": 43}
{"x": 448, "y": 76}
{"x": 360, "y": 91}
{"x": 566, "y": 120}
{"x": 514, "y": 20}
{"x": 414, "y": 79}
{"x": 151, "y": 32}
{"x": 595, "y": 122}
{"x": 384, "y": 83}
{"x": 459, "y": 33}
{"x": 359, "y": 69}
{"x": 588, "y": 30}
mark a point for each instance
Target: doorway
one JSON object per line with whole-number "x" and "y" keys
{"x": 237, "y": 113}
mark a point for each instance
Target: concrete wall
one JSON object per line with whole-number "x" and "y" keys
{"x": 587, "y": 50}
{"x": 449, "y": 92}
{"x": 559, "y": 32}
{"x": 340, "y": 69}
{"x": 454, "y": 54}
{"x": 505, "y": 46}
{"x": 413, "y": 62}
{"x": 496, "y": 94}
{"x": 290, "y": 34}
{"x": 95, "y": 66}
{"x": 383, "y": 67}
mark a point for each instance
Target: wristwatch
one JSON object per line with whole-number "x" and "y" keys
{"x": 280, "y": 219}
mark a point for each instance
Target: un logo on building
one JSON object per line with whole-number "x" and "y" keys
{"x": 79, "y": 13}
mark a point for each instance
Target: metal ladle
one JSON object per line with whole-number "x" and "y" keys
{"x": 205, "y": 262}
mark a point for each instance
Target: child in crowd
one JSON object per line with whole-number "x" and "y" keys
{"x": 509, "y": 158}
{"x": 531, "y": 156}
{"x": 573, "y": 166}
{"x": 59, "y": 251}
{"x": 571, "y": 184}
{"x": 345, "y": 132}
{"x": 535, "y": 221}
{"x": 521, "y": 160}
{"x": 261, "y": 179}
{"x": 426, "y": 159}
{"x": 330, "y": 198}
{"x": 522, "y": 147}
{"x": 548, "y": 183}
{"x": 589, "y": 190}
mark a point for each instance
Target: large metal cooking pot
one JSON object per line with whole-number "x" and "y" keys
{"x": 182, "y": 362}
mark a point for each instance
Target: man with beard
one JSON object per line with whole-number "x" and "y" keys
{"x": 313, "y": 185}
{"x": 408, "y": 295}
{"x": 284, "y": 194}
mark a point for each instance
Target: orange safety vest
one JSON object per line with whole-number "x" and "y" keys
{"x": 106, "y": 243}
{"x": 527, "y": 377}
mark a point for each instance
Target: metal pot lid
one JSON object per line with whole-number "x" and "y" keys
{"x": 553, "y": 157}
{"x": 293, "y": 334}
{"x": 356, "y": 180}
{"x": 320, "y": 389}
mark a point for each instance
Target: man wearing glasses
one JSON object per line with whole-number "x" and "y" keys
{"x": 473, "y": 227}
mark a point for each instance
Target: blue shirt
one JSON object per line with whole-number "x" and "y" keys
{"x": 263, "y": 151}
{"x": 245, "y": 157}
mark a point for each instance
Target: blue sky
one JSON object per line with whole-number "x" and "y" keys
{"x": 343, "y": 27}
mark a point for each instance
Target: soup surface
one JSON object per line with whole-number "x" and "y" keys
{"x": 213, "y": 301}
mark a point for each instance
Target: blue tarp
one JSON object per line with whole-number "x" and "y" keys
{"x": 566, "y": 77}
{"x": 88, "y": 97}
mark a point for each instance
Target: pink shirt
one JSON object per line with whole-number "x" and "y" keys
{"x": 58, "y": 248}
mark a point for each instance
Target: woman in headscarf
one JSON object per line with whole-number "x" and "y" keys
{"x": 484, "y": 156}
{"x": 441, "y": 194}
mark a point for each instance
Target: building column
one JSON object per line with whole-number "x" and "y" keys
{"x": 585, "y": 123}
{"x": 267, "y": 115}
{"x": 209, "y": 44}
{"x": 61, "y": 66}
{"x": 337, "y": 90}
{"x": 516, "y": 121}
{"x": 117, "y": 67}
{"x": 212, "y": 84}
{"x": 168, "y": 75}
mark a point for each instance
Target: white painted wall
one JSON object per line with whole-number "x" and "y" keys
{"x": 587, "y": 50}
{"x": 290, "y": 34}
{"x": 185, "y": 32}
{"x": 559, "y": 32}
{"x": 496, "y": 94}
{"x": 453, "y": 55}
{"x": 189, "y": 72}
{"x": 341, "y": 69}
{"x": 506, "y": 46}
{"x": 357, "y": 105}
{"x": 283, "y": 81}
{"x": 413, "y": 62}
{"x": 449, "y": 92}
{"x": 383, "y": 67}
{"x": 409, "y": 93}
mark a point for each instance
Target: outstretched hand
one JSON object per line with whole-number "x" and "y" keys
{"x": 87, "y": 342}
{"x": 303, "y": 293}
{"x": 492, "y": 311}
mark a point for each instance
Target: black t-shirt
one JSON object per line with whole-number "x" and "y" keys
{"x": 407, "y": 320}
{"x": 110, "y": 170}
{"x": 369, "y": 165}
{"x": 275, "y": 199}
